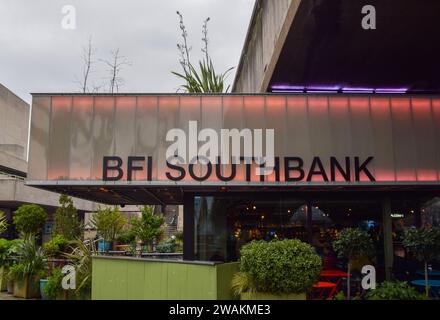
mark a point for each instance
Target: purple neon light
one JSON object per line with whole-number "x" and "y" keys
{"x": 284, "y": 88}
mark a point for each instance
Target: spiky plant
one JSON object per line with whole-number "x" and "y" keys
{"x": 204, "y": 80}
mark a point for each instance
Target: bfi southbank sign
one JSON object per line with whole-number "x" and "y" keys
{"x": 201, "y": 155}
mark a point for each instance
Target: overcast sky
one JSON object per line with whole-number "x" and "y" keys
{"x": 38, "y": 55}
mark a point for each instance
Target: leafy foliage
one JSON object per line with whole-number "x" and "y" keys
{"x": 424, "y": 243}
{"x": 353, "y": 243}
{"x": 67, "y": 222}
{"x": 3, "y": 222}
{"x": 56, "y": 246}
{"x": 109, "y": 223}
{"x": 281, "y": 267}
{"x": 394, "y": 291}
{"x": 30, "y": 258}
{"x": 53, "y": 288}
{"x": 242, "y": 282}
{"x": 204, "y": 80}
{"x": 81, "y": 253}
{"x": 5, "y": 252}
{"x": 29, "y": 218}
{"x": 148, "y": 227}
{"x": 167, "y": 246}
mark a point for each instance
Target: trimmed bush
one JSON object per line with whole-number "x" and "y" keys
{"x": 281, "y": 267}
{"x": 29, "y": 218}
{"x": 166, "y": 246}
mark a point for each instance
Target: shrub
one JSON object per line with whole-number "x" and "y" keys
{"x": 167, "y": 246}
{"x": 148, "y": 227}
{"x": 127, "y": 237}
{"x": 394, "y": 291}
{"x": 109, "y": 223}
{"x": 55, "y": 246}
{"x": 66, "y": 220}
{"x": 53, "y": 288}
{"x": 353, "y": 243}
{"x": 424, "y": 244}
{"x": 30, "y": 259}
{"x": 5, "y": 246}
{"x": 29, "y": 218}
{"x": 281, "y": 267}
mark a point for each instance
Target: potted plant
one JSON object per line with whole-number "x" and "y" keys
{"x": 167, "y": 246}
{"x": 424, "y": 245}
{"x": 353, "y": 243}
{"x": 5, "y": 262}
{"x": 30, "y": 261}
{"x": 109, "y": 224}
{"x": 66, "y": 221}
{"x": 148, "y": 228}
{"x": 9, "y": 257}
{"x": 55, "y": 247}
{"x": 81, "y": 256}
{"x": 390, "y": 290}
{"x": 29, "y": 219}
{"x": 52, "y": 288}
{"x": 276, "y": 270}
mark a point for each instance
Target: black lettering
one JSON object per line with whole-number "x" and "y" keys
{"x": 177, "y": 168}
{"x": 363, "y": 167}
{"x": 288, "y": 168}
{"x": 106, "y": 167}
{"x": 218, "y": 172}
{"x": 200, "y": 179}
{"x": 150, "y": 169}
{"x": 320, "y": 171}
{"x": 131, "y": 167}
{"x": 334, "y": 164}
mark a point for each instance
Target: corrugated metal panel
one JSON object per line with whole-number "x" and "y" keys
{"x": 70, "y": 136}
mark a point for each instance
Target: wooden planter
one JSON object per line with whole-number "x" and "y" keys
{"x": 269, "y": 296}
{"x": 3, "y": 280}
{"x": 28, "y": 287}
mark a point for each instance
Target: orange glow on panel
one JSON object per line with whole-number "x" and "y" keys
{"x": 296, "y": 102}
{"x": 82, "y": 102}
{"x": 61, "y": 102}
{"x": 232, "y": 102}
{"x": 169, "y": 102}
{"x": 147, "y": 102}
{"x": 126, "y": 102}
{"x": 360, "y": 106}
{"x": 318, "y": 103}
{"x": 211, "y": 102}
{"x": 384, "y": 175}
{"x": 189, "y": 102}
{"x": 427, "y": 175}
{"x": 104, "y": 102}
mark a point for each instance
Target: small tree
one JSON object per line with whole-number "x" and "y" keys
{"x": 29, "y": 218}
{"x": 148, "y": 227}
{"x": 67, "y": 222}
{"x": 3, "y": 222}
{"x": 352, "y": 243}
{"x": 109, "y": 223}
{"x": 424, "y": 244}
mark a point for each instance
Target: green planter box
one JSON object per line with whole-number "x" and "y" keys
{"x": 268, "y": 296}
{"x": 125, "y": 278}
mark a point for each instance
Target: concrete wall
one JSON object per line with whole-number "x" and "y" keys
{"x": 14, "y": 123}
{"x": 267, "y": 32}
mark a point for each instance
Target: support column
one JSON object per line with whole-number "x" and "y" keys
{"x": 188, "y": 228}
{"x": 309, "y": 223}
{"x": 387, "y": 237}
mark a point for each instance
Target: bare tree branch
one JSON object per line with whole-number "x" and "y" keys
{"x": 115, "y": 66}
{"x": 87, "y": 57}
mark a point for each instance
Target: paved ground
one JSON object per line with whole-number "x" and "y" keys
{"x": 6, "y": 296}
